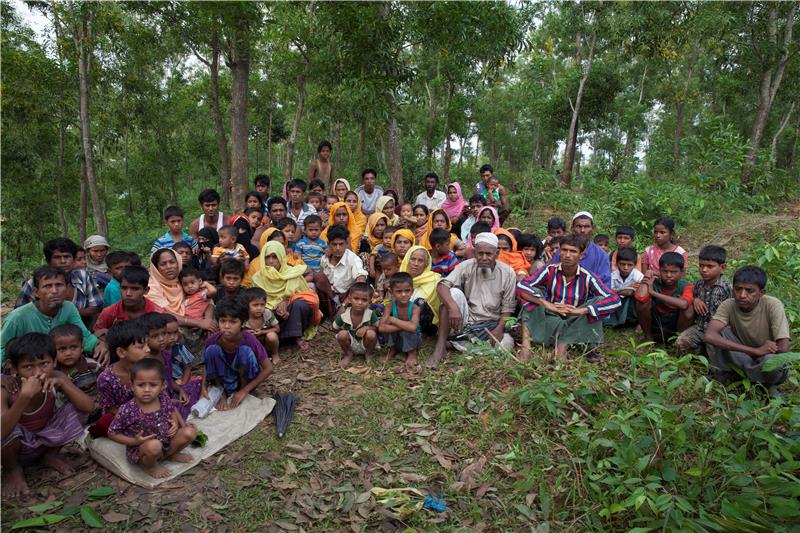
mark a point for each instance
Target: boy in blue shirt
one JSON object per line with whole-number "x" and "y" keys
{"x": 173, "y": 216}
{"x": 310, "y": 247}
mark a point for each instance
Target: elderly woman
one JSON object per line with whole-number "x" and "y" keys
{"x": 417, "y": 263}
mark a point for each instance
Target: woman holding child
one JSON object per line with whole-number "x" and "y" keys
{"x": 417, "y": 263}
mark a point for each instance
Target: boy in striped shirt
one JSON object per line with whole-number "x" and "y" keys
{"x": 443, "y": 260}
{"x": 310, "y": 246}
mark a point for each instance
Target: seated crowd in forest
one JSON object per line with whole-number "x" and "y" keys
{"x": 128, "y": 346}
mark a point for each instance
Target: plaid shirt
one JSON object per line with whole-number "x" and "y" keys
{"x": 87, "y": 294}
{"x": 712, "y": 297}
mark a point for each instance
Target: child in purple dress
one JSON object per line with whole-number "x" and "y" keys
{"x": 149, "y": 425}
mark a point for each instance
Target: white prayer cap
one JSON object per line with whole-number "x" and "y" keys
{"x": 583, "y": 214}
{"x": 486, "y": 238}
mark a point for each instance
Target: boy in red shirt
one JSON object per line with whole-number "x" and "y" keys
{"x": 661, "y": 301}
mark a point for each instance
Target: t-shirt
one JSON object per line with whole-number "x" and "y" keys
{"x": 238, "y": 252}
{"x": 28, "y": 319}
{"x": 712, "y": 296}
{"x": 115, "y": 313}
{"x": 445, "y": 264}
{"x": 619, "y": 284}
{"x": 248, "y": 339}
{"x": 311, "y": 251}
{"x": 111, "y": 294}
{"x": 652, "y": 255}
{"x": 490, "y": 292}
{"x": 683, "y": 290}
{"x": 431, "y": 202}
{"x": 345, "y": 321}
{"x": 270, "y": 321}
{"x": 766, "y": 322}
{"x": 369, "y": 201}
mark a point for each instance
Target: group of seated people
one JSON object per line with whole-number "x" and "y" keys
{"x": 220, "y": 301}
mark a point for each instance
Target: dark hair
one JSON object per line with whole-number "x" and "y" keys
{"x": 331, "y": 196}
{"x": 337, "y": 231}
{"x": 529, "y": 240}
{"x": 368, "y": 171}
{"x": 170, "y": 318}
{"x": 400, "y": 277}
{"x": 297, "y": 184}
{"x": 441, "y": 212}
{"x": 232, "y": 308}
{"x": 189, "y": 272}
{"x": 479, "y": 227}
{"x": 477, "y": 198}
{"x": 181, "y": 245}
{"x": 505, "y": 238}
{"x": 250, "y": 210}
{"x": 388, "y": 256}
{"x": 601, "y": 237}
{"x": 30, "y": 346}
{"x": 354, "y": 193}
{"x": 667, "y": 222}
{"x": 314, "y": 194}
{"x": 626, "y": 230}
{"x": 313, "y": 219}
{"x": 135, "y": 275}
{"x": 253, "y": 193}
{"x": 231, "y": 266}
{"x": 432, "y": 175}
{"x": 316, "y": 182}
{"x": 117, "y": 257}
{"x": 484, "y": 168}
{"x": 439, "y": 236}
{"x": 59, "y": 244}
{"x": 134, "y": 259}
{"x": 574, "y": 240}
{"x": 208, "y": 196}
{"x": 275, "y": 200}
{"x": 66, "y": 330}
{"x": 750, "y": 274}
{"x": 146, "y": 364}
{"x": 262, "y": 179}
{"x": 229, "y": 230}
{"x": 285, "y": 222}
{"x": 672, "y": 258}
{"x": 153, "y": 321}
{"x": 361, "y": 287}
{"x": 47, "y": 272}
{"x": 173, "y": 211}
{"x": 515, "y": 233}
{"x": 277, "y": 235}
{"x": 556, "y": 223}
{"x": 123, "y": 334}
{"x": 254, "y": 293}
{"x": 626, "y": 254}
{"x": 324, "y": 144}
{"x": 158, "y": 253}
{"x": 423, "y": 207}
{"x": 714, "y": 253}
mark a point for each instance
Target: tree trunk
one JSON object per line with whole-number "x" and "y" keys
{"x": 431, "y": 125}
{"x": 290, "y": 144}
{"x": 269, "y": 145}
{"x": 680, "y": 106}
{"x": 84, "y": 201}
{"x": 793, "y": 154}
{"x": 362, "y": 144}
{"x": 83, "y": 42}
{"x": 222, "y": 139}
{"x": 240, "y": 72}
{"x": 572, "y": 134}
{"x": 774, "y": 149}
{"x": 62, "y": 217}
{"x": 770, "y": 82}
{"x": 395, "y": 164}
{"x": 448, "y": 149}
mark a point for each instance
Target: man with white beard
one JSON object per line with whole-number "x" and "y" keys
{"x": 476, "y": 298}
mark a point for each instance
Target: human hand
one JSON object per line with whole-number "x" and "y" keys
{"x": 30, "y": 387}
{"x": 561, "y": 309}
{"x": 455, "y": 319}
{"x": 100, "y": 354}
{"x": 54, "y": 381}
{"x": 496, "y": 334}
{"x": 237, "y": 399}
{"x": 141, "y": 439}
{"x": 222, "y": 403}
{"x": 700, "y": 306}
{"x": 635, "y": 286}
{"x": 769, "y": 347}
{"x": 9, "y": 383}
{"x": 208, "y": 324}
{"x": 174, "y": 426}
{"x": 182, "y": 396}
{"x": 281, "y": 309}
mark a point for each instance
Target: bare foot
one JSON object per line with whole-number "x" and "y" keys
{"x": 14, "y": 484}
{"x": 62, "y": 466}
{"x": 157, "y": 471}
{"x": 181, "y": 457}
{"x": 302, "y": 344}
{"x": 369, "y": 357}
{"x": 433, "y": 360}
{"x": 275, "y": 359}
{"x": 346, "y": 360}
{"x": 411, "y": 361}
{"x": 524, "y": 355}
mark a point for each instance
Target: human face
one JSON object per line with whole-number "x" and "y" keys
{"x": 337, "y": 248}
{"x": 487, "y": 217}
{"x": 277, "y": 212}
{"x": 254, "y": 219}
{"x": 340, "y": 189}
{"x": 555, "y": 232}
{"x": 503, "y": 245}
{"x": 168, "y": 265}
{"x": 262, "y": 189}
{"x": 440, "y": 221}
{"x": 387, "y": 238}
{"x": 147, "y": 385}
{"x": 288, "y": 233}
{"x": 710, "y": 270}
{"x": 135, "y": 352}
{"x": 390, "y": 268}
{"x": 62, "y": 260}
{"x": 430, "y": 184}
{"x": 359, "y": 300}
{"x": 116, "y": 270}
{"x": 417, "y": 263}
{"x": 255, "y": 308}
{"x": 231, "y": 282}
{"x": 570, "y": 255}
{"x": 746, "y": 295}
{"x": 253, "y": 201}
{"x": 190, "y": 285}
{"x": 329, "y": 201}
{"x": 661, "y": 235}
{"x": 98, "y": 253}
{"x": 493, "y": 183}
{"x": 210, "y": 209}
{"x": 603, "y": 245}
{"x": 296, "y": 195}
{"x": 314, "y": 202}
{"x": 406, "y": 211}
{"x": 30, "y": 367}
{"x": 173, "y": 333}
{"x": 369, "y": 182}
{"x": 68, "y": 350}
{"x": 474, "y": 207}
{"x": 452, "y": 193}
{"x": 670, "y": 274}
{"x": 341, "y": 216}
{"x": 583, "y": 227}
{"x": 351, "y": 199}
{"x": 402, "y": 292}
{"x": 420, "y": 215}
{"x": 401, "y": 246}
{"x": 175, "y": 224}
{"x": 272, "y": 261}
{"x": 388, "y": 209}
{"x": 186, "y": 255}
{"x": 325, "y": 153}
{"x": 485, "y": 176}
{"x": 80, "y": 260}
{"x": 313, "y": 230}
{"x": 625, "y": 267}
{"x": 132, "y": 294}
{"x": 485, "y": 255}
{"x": 50, "y": 292}
{"x": 379, "y": 228}
{"x": 623, "y": 241}
{"x": 157, "y": 339}
{"x": 226, "y": 240}
{"x": 230, "y": 327}
{"x": 530, "y": 254}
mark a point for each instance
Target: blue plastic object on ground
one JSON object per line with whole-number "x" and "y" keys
{"x": 435, "y": 504}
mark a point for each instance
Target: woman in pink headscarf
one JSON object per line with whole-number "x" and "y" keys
{"x": 454, "y": 204}
{"x": 489, "y": 215}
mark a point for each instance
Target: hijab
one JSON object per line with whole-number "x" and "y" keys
{"x": 515, "y": 259}
{"x": 359, "y": 218}
{"x": 243, "y": 237}
{"x": 454, "y": 209}
{"x": 346, "y": 184}
{"x": 372, "y": 221}
{"x": 381, "y": 203}
{"x": 407, "y": 233}
{"x": 256, "y": 263}
{"x": 425, "y": 239}
{"x": 279, "y": 284}
{"x": 165, "y": 293}
{"x": 93, "y": 242}
{"x": 355, "y": 236}
{"x": 496, "y": 223}
{"x": 211, "y": 235}
{"x": 424, "y": 284}
{"x": 394, "y": 196}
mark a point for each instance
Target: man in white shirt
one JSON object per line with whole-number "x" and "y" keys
{"x": 340, "y": 269}
{"x": 431, "y": 198}
{"x": 368, "y": 192}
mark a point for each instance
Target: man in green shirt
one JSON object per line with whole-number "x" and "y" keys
{"x": 48, "y": 310}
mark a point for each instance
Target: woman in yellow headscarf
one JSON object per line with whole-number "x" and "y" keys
{"x": 509, "y": 255}
{"x": 438, "y": 219}
{"x": 417, "y": 263}
{"x": 353, "y": 202}
{"x": 386, "y": 205}
{"x": 372, "y": 223}
{"x": 288, "y": 295}
{"x": 406, "y": 238}
{"x": 256, "y": 264}
{"x": 339, "y": 191}
{"x": 341, "y": 214}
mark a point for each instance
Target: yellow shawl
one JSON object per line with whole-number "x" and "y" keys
{"x": 280, "y": 284}
{"x": 355, "y": 237}
{"x": 424, "y": 284}
{"x": 371, "y": 223}
{"x": 359, "y": 218}
{"x": 425, "y": 239}
{"x": 255, "y": 264}
{"x": 381, "y": 203}
{"x": 407, "y": 233}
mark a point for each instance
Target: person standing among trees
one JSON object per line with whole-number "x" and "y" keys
{"x": 368, "y": 191}
{"x": 495, "y": 194}
{"x": 322, "y": 167}
{"x": 212, "y": 217}
{"x": 430, "y": 197}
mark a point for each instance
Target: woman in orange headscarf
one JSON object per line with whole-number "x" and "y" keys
{"x": 438, "y": 219}
{"x": 507, "y": 245}
{"x": 406, "y": 241}
{"x": 353, "y": 201}
{"x": 341, "y": 214}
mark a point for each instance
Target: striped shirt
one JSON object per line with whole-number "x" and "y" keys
{"x": 549, "y": 284}
{"x": 87, "y": 293}
{"x": 311, "y": 251}
{"x": 306, "y": 210}
{"x": 166, "y": 241}
{"x": 446, "y": 264}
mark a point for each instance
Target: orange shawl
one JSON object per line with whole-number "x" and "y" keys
{"x": 514, "y": 259}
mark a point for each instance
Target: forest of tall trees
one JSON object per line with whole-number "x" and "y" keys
{"x": 110, "y": 112}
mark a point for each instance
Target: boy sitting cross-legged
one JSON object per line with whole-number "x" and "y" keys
{"x": 261, "y": 321}
{"x": 625, "y": 281}
{"x": 662, "y": 298}
{"x": 356, "y": 325}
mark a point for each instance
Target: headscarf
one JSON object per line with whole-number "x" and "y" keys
{"x": 279, "y": 284}
{"x": 211, "y": 235}
{"x": 372, "y": 221}
{"x": 394, "y": 196}
{"x": 515, "y": 259}
{"x": 92, "y": 242}
{"x": 381, "y": 203}
{"x": 496, "y": 223}
{"x": 355, "y": 237}
{"x": 407, "y": 233}
{"x": 256, "y": 264}
{"x": 425, "y": 283}
{"x": 346, "y": 184}
{"x": 454, "y": 209}
{"x": 165, "y": 293}
{"x": 243, "y": 238}
{"x": 359, "y": 218}
{"x": 425, "y": 239}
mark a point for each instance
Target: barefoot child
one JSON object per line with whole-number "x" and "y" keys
{"x": 400, "y": 322}
{"x": 149, "y": 426}
{"x": 182, "y": 358}
{"x": 662, "y": 298}
{"x": 197, "y": 305}
{"x": 32, "y": 426}
{"x": 356, "y": 325}
{"x": 625, "y": 281}
{"x": 262, "y": 322}
{"x": 389, "y": 265}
